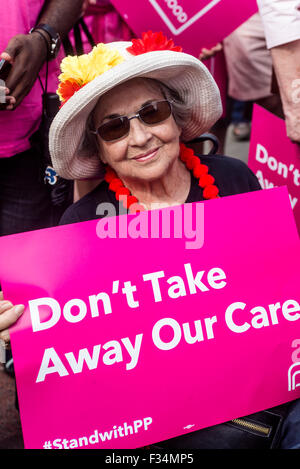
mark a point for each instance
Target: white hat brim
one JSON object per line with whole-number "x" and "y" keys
{"x": 179, "y": 71}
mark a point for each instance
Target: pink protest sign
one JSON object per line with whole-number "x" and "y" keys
{"x": 129, "y": 341}
{"x": 273, "y": 158}
{"x": 193, "y": 24}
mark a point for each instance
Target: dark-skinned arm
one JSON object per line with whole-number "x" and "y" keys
{"x": 28, "y": 52}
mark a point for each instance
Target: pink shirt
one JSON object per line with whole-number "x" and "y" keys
{"x": 18, "y": 17}
{"x": 106, "y": 24}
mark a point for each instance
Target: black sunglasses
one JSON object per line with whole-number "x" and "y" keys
{"x": 150, "y": 114}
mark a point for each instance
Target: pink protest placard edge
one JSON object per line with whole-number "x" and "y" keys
{"x": 273, "y": 157}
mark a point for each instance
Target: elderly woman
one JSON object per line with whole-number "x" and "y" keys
{"x": 127, "y": 110}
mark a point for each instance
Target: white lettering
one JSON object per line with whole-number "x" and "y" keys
{"x": 289, "y": 307}
{"x": 133, "y": 351}
{"x": 170, "y": 343}
{"x": 260, "y": 150}
{"x": 229, "y": 320}
{"x": 84, "y": 357}
{"x": 178, "y": 288}
{"x": 114, "y": 355}
{"x": 93, "y": 299}
{"x": 198, "y": 337}
{"x": 57, "y": 367}
{"x": 177, "y": 10}
{"x": 194, "y": 282}
{"x": 261, "y": 319}
{"x": 214, "y": 276}
{"x": 82, "y": 310}
{"x": 176, "y": 334}
{"x": 262, "y": 316}
{"x": 153, "y": 277}
{"x": 38, "y": 308}
{"x": 293, "y": 201}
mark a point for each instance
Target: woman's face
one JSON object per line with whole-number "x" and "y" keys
{"x": 147, "y": 152}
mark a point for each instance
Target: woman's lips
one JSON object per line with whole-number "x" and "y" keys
{"x": 147, "y": 156}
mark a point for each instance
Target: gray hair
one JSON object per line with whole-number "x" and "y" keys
{"x": 89, "y": 146}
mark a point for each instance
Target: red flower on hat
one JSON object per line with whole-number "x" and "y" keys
{"x": 66, "y": 89}
{"x": 150, "y": 42}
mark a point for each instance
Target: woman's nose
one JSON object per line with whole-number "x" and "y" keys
{"x": 139, "y": 133}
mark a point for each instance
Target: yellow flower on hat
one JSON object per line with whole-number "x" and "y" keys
{"x": 77, "y": 71}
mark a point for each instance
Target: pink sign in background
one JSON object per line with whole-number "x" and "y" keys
{"x": 108, "y": 397}
{"x": 273, "y": 157}
{"x": 192, "y": 24}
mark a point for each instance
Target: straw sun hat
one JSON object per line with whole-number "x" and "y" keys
{"x": 87, "y": 77}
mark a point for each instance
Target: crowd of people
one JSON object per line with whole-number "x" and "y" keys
{"x": 130, "y": 122}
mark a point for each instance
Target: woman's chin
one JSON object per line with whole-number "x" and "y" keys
{"x": 149, "y": 173}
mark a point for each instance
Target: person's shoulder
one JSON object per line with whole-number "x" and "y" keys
{"x": 225, "y": 162}
{"x": 85, "y": 208}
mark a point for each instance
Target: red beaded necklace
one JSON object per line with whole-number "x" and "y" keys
{"x": 192, "y": 162}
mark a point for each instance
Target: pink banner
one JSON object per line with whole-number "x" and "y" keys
{"x": 273, "y": 158}
{"x": 129, "y": 340}
{"x": 192, "y": 24}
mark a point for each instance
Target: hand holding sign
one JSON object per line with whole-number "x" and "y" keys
{"x": 9, "y": 314}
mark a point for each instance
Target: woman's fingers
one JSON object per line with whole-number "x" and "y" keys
{"x": 5, "y": 305}
{"x": 9, "y": 314}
